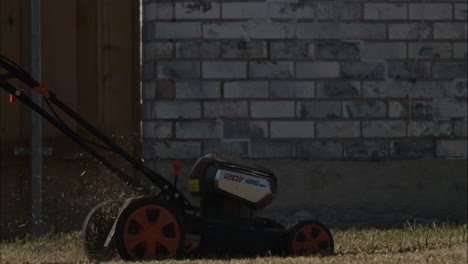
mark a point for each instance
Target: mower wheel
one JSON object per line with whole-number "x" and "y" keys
{"x": 148, "y": 229}
{"x": 96, "y": 227}
{"x": 309, "y": 238}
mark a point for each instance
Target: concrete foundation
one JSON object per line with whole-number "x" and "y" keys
{"x": 361, "y": 194}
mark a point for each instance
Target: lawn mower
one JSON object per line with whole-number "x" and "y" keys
{"x": 165, "y": 224}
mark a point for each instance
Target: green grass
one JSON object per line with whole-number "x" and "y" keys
{"x": 412, "y": 244}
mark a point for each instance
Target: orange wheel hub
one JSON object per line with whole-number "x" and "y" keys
{"x": 151, "y": 232}
{"x": 312, "y": 239}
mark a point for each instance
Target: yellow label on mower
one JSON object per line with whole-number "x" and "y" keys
{"x": 192, "y": 242}
{"x": 194, "y": 185}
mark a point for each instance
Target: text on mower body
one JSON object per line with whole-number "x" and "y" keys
{"x": 237, "y": 178}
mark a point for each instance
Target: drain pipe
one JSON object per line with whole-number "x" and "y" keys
{"x": 35, "y": 49}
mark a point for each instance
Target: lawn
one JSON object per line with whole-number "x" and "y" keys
{"x": 411, "y": 244}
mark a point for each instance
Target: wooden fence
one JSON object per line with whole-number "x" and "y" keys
{"x": 90, "y": 52}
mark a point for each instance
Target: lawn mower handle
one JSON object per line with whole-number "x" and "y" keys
{"x": 168, "y": 192}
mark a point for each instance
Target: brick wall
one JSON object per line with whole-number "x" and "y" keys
{"x": 335, "y": 80}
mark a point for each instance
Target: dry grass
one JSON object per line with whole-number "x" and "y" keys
{"x": 412, "y": 244}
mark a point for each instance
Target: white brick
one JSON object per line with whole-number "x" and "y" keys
{"x": 458, "y": 88}
{"x": 450, "y": 30}
{"x": 363, "y": 70}
{"x": 147, "y": 111}
{"x": 244, "y": 49}
{"x": 157, "y": 129}
{"x": 198, "y": 10}
{"x": 338, "y": 129}
{"x": 177, "y": 30}
{"x": 321, "y": 31}
{"x": 271, "y": 69}
{"x": 409, "y": 69}
{"x": 147, "y": 71}
{"x": 317, "y": 69}
{"x": 198, "y": 89}
{"x": 244, "y": 10}
{"x": 452, "y": 148}
{"x": 430, "y": 50}
{"x": 364, "y": 31}
{"x": 148, "y": 90}
{"x": 459, "y": 50}
{"x": 238, "y": 149}
{"x": 385, "y": 11}
{"x": 383, "y": 50}
{"x": 461, "y": 11}
{"x": 273, "y": 109}
{"x": 156, "y": 50}
{"x": 198, "y": 49}
{"x": 384, "y": 128}
{"x": 225, "y": 109}
{"x": 453, "y": 70}
{"x": 383, "y": 89}
{"x": 202, "y": 129}
{"x": 245, "y": 129}
{"x": 292, "y": 89}
{"x": 365, "y": 149}
{"x": 333, "y": 49}
{"x": 448, "y": 108}
{"x": 292, "y": 129}
{"x": 174, "y": 110}
{"x": 460, "y": 128}
{"x": 419, "y": 89}
{"x": 440, "y": 11}
{"x": 412, "y": 148}
{"x": 178, "y": 69}
{"x": 221, "y": 49}
{"x": 409, "y": 31}
{"x": 352, "y": 31}
{"x": 338, "y": 89}
{"x": 253, "y": 29}
{"x": 164, "y": 89}
{"x": 369, "y": 108}
{"x": 147, "y": 31}
{"x": 315, "y": 10}
{"x": 172, "y": 150}
{"x": 153, "y": 11}
{"x": 292, "y": 10}
{"x": 418, "y": 109}
{"x": 319, "y": 109}
{"x": 246, "y": 89}
{"x": 338, "y": 10}
{"x": 224, "y": 69}
{"x": 291, "y": 49}
{"x": 429, "y": 128}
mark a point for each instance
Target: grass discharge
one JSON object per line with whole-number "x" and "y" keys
{"x": 411, "y": 244}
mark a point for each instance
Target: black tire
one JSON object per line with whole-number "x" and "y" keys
{"x": 309, "y": 238}
{"x": 95, "y": 229}
{"x": 149, "y": 229}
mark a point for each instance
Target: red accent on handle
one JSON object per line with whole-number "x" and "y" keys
{"x": 43, "y": 89}
{"x": 177, "y": 166}
{"x": 13, "y": 98}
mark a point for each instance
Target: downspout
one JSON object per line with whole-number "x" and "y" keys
{"x": 35, "y": 49}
